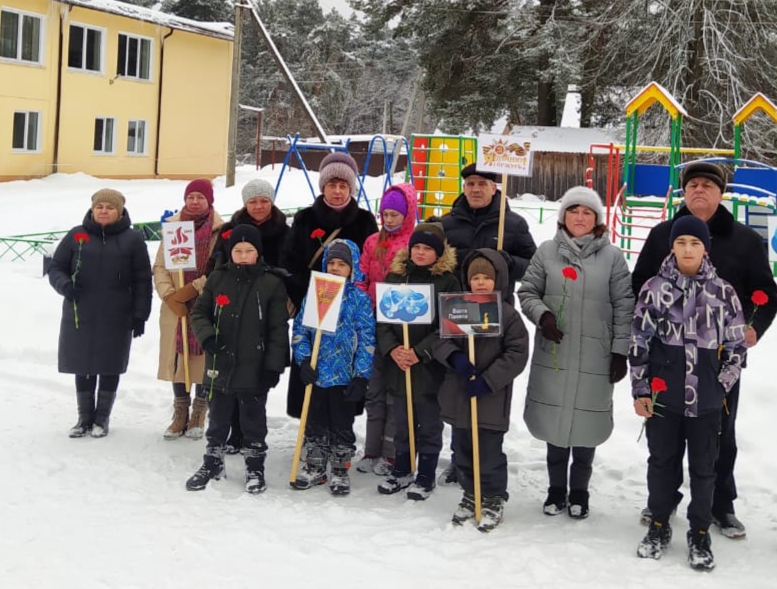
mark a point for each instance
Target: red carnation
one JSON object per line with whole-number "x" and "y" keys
{"x": 226, "y": 234}
{"x": 759, "y": 298}
{"x": 317, "y": 234}
{"x": 657, "y": 384}
{"x": 84, "y": 238}
{"x": 222, "y": 300}
{"x": 569, "y": 272}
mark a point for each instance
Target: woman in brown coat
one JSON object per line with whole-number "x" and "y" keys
{"x": 179, "y": 300}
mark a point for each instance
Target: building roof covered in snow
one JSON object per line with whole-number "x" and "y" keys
{"x": 219, "y": 30}
{"x": 565, "y": 139}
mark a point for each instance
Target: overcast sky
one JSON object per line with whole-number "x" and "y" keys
{"x": 340, "y": 5}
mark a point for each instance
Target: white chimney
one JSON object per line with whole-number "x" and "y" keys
{"x": 572, "y": 104}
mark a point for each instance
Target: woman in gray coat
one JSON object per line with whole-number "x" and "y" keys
{"x": 577, "y": 291}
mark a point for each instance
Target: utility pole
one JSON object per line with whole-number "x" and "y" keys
{"x": 233, "y": 98}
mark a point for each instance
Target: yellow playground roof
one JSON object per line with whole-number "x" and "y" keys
{"x": 756, "y": 103}
{"x": 650, "y": 94}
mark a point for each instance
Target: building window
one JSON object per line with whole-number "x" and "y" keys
{"x": 136, "y": 137}
{"x": 26, "y": 131}
{"x": 134, "y": 60}
{"x": 103, "y": 135}
{"x": 21, "y": 35}
{"x": 85, "y": 48}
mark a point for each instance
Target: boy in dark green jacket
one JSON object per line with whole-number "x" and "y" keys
{"x": 240, "y": 320}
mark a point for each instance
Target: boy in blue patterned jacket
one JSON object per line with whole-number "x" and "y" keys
{"x": 340, "y": 377}
{"x": 686, "y": 352}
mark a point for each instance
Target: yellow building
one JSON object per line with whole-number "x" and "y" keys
{"x": 111, "y": 89}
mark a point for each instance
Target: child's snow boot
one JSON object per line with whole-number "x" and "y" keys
{"x": 424, "y": 482}
{"x": 340, "y": 482}
{"x": 465, "y": 510}
{"x": 658, "y": 537}
{"x": 312, "y": 472}
{"x": 212, "y": 468}
{"x": 492, "y": 513}
{"x": 700, "y": 551}
{"x": 254, "y": 459}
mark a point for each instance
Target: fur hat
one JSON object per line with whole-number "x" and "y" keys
{"x": 258, "y": 188}
{"x": 471, "y": 170}
{"x": 245, "y": 232}
{"x": 690, "y": 225}
{"x": 704, "y": 170}
{"x": 395, "y": 200}
{"x": 110, "y": 196}
{"x": 481, "y": 265}
{"x": 581, "y": 195}
{"x": 430, "y": 234}
{"x": 201, "y": 185}
{"x": 338, "y": 165}
{"x": 340, "y": 250}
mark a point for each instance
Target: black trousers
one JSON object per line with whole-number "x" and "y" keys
{"x": 253, "y": 419}
{"x": 725, "y": 485}
{"x": 330, "y": 419}
{"x": 493, "y": 461}
{"x": 665, "y": 435}
{"x": 427, "y": 427}
{"x": 557, "y": 459}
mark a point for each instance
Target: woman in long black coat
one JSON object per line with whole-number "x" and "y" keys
{"x": 102, "y": 269}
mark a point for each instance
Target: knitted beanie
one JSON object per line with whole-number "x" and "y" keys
{"x": 581, "y": 195}
{"x": 481, "y": 265}
{"x": 704, "y": 170}
{"x": 258, "y": 188}
{"x": 112, "y": 197}
{"x": 340, "y": 250}
{"x": 430, "y": 234}
{"x": 338, "y": 165}
{"x": 395, "y": 200}
{"x": 248, "y": 233}
{"x": 201, "y": 185}
{"x": 690, "y": 225}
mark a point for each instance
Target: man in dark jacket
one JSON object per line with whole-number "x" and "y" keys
{"x": 739, "y": 256}
{"x": 473, "y": 223}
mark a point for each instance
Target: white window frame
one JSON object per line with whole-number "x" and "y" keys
{"x": 20, "y": 39}
{"x": 26, "y": 148}
{"x": 104, "y": 151}
{"x": 140, "y": 41}
{"x": 138, "y": 123}
{"x": 103, "y": 42}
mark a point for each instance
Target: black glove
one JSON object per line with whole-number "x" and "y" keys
{"x": 478, "y": 387}
{"x": 461, "y": 364}
{"x": 72, "y": 292}
{"x": 269, "y": 379}
{"x": 307, "y": 373}
{"x": 618, "y": 367}
{"x": 356, "y": 390}
{"x": 213, "y": 346}
{"x": 549, "y": 329}
{"x": 138, "y": 327}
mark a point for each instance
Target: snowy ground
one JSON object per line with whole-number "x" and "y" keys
{"x": 113, "y": 513}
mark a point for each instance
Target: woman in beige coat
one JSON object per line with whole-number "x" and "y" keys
{"x": 179, "y": 300}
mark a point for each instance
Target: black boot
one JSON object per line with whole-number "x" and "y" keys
{"x": 340, "y": 482}
{"x": 85, "y": 400}
{"x": 254, "y": 459}
{"x": 212, "y": 468}
{"x": 425, "y": 481}
{"x": 102, "y": 413}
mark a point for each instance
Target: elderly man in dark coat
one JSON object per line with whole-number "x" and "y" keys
{"x": 739, "y": 256}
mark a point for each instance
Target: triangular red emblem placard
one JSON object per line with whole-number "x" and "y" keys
{"x": 326, "y": 292}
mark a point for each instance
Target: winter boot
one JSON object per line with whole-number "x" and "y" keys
{"x": 450, "y": 475}
{"x": 312, "y": 471}
{"x": 340, "y": 483}
{"x": 656, "y": 540}
{"x": 365, "y": 463}
{"x": 730, "y": 526}
{"x": 465, "y": 510}
{"x": 383, "y": 466}
{"x": 556, "y": 501}
{"x": 578, "y": 504}
{"x": 212, "y": 468}
{"x": 85, "y": 400}
{"x": 180, "y": 418}
{"x": 197, "y": 420}
{"x": 400, "y": 478}
{"x": 646, "y": 516}
{"x": 254, "y": 459}
{"x": 492, "y": 513}
{"x": 424, "y": 482}
{"x": 102, "y": 413}
{"x": 699, "y": 551}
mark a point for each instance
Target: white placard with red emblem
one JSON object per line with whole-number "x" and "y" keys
{"x": 324, "y": 298}
{"x": 504, "y": 154}
{"x": 178, "y": 245}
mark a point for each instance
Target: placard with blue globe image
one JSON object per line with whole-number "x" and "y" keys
{"x": 404, "y": 303}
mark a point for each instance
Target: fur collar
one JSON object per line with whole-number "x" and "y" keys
{"x": 445, "y": 263}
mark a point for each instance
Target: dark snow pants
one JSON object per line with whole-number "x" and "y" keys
{"x": 428, "y": 426}
{"x": 725, "y": 485}
{"x": 379, "y": 439}
{"x": 330, "y": 420}
{"x": 493, "y": 461}
{"x": 253, "y": 419}
{"x": 580, "y": 471}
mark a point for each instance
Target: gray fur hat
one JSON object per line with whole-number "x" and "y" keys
{"x": 581, "y": 195}
{"x": 258, "y": 188}
{"x": 338, "y": 165}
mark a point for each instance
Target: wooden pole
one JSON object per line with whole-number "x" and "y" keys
{"x": 500, "y": 235}
{"x": 185, "y": 338}
{"x": 303, "y": 418}
{"x": 409, "y": 395}
{"x": 473, "y": 408}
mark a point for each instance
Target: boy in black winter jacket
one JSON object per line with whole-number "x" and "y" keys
{"x": 498, "y": 360}
{"x": 240, "y": 320}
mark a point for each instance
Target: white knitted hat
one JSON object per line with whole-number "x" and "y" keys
{"x": 258, "y": 187}
{"x": 581, "y": 195}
